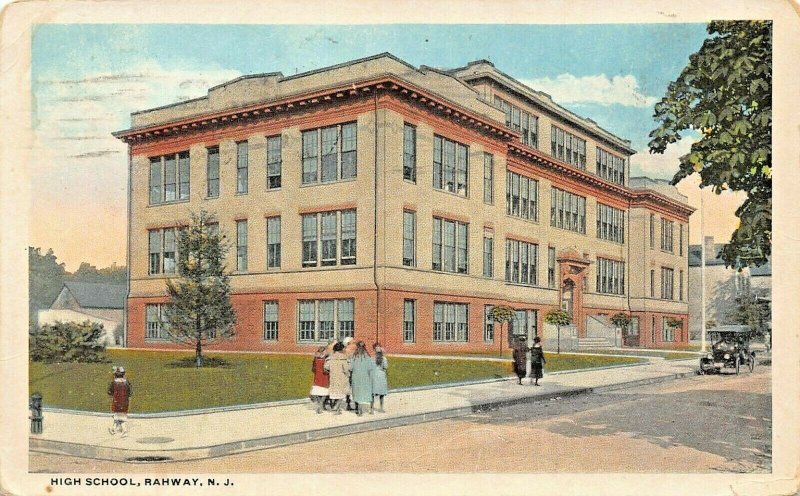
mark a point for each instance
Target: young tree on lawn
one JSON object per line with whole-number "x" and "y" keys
{"x": 558, "y": 318}
{"x": 750, "y": 311}
{"x": 502, "y": 314}
{"x": 621, "y": 320}
{"x": 200, "y": 310}
{"x": 725, "y": 94}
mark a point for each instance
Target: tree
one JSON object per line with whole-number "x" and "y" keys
{"x": 109, "y": 275}
{"x": 502, "y": 314}
{"x": 558, "y": 318}
{"x": 45, "y": 280}
{"x": 750, "y": 310}
{"x": 725, "y": 93}
{"x": 621, "y": 320}
{"x": 200, "y": 310}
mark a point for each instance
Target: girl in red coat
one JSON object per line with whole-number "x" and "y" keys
{"x": 120, "y": 391}
{"x": 319, "y": 389}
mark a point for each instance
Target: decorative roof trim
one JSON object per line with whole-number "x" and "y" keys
{"x": 389, "y": 82}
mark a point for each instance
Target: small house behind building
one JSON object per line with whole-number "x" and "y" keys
{"x": 95, "y": 302}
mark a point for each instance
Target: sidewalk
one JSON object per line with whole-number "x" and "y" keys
{"x": 225, "y": 432}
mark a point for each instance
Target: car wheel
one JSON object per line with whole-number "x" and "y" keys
{"x": 737, "y": 366}
{"x": 751, "y": 362}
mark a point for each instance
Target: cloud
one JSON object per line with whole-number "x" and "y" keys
{"x": 663, "y": 165}
{"x": 597, "y": 89}
{"x": 79, "y": 171}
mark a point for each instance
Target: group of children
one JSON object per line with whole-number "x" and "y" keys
{"x": 344, "y": 372}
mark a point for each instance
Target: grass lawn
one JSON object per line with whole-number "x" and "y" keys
{"x": 159, "y": 384}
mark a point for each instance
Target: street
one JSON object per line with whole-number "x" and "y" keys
{"x": 719, "y": 423}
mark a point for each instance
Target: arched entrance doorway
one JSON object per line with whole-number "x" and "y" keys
{"x": 572, "y": 272}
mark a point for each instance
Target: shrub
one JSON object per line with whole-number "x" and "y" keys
{"x": 68, "y": 342}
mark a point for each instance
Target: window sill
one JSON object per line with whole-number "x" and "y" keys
{"x": 568, "y": 230}
{"x": 529, "y": 221}
{"x": 451, "y": 193}
{"x": 409, "y": 181}
{"x": 328, "y": 183}
{"x": 330, "y": 267}
{"x": 171, "y": 202}
{"x": 212, "y": 197}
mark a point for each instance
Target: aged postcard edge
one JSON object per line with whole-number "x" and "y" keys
{"x": 15, "y": 196}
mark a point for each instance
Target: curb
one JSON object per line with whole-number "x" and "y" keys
{"x": 235, "y": 447}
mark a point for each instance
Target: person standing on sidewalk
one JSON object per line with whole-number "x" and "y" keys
{"x": 338, "y": 367}
{"x": 120, "y": 391}
{"x": 363, "y": 367}
{"x": 537, "y": 360}
{"x": 349, "y": 351}
{"x": 319, "y": 388}
{"x": 380, "y": 386}
{"x": 520, "y": 350}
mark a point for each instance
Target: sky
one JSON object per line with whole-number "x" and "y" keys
{"x": 87, "y": 79}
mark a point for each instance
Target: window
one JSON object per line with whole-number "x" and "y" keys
{"x": 323, "y": 320}
{"x": 680, "y": 240}
{"x": 328, "y": 220}
{"x": 450, "y": 322}
{"x": 633, "y": 327}
{"x": 667, "y": 331}
{"x": 273, "y": 242}
{"x": 680, "y": 286}
{"x": 488, "y": 253}
{"x": 522, "y": 196}
{"x": 520, "y": 121}
{"x": 610, "y": 276}
{"x": 241, "y": 167}
{"x": 488, "y": 324}
{"x": 652, "y": 231}
{"x": 522, "y": 321}
{"x": 567, "y": 211}
{"x": 567, "y": 147}
{"x": 551, "y": 267}
{"x": 212, "y": 172}
{"x": 274, "y": 162}
{"x": 163, "y": 253}
{"x": 450, "y": 164}
{"x": 169, "y": 178}
{"x": 610, "y": 166}
{"x": 667, "y": 282}
{"x": 409, "y": 320}
{"x": 521, "y": 262}
{"x": 348, "y": 227}
{"x": 488, "y": 178}
{"x": 410, "y": 153}
{"x": 409, "y": 238}
{"x": 329, "y": 154}
{"x": 241, "y": 245}
{"x": 450, "y": 251}
{"x": 666, "y": 235}
{"x": 270, "y": 321}
{"x": 156, "y": 323}
{"x": 322, "y": 240}
{"x": 610, "y": 223}
{"x": 309, "y": 226}
{"x": 652, "y": 283}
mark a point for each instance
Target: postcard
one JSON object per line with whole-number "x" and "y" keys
{"x": 457, "y": 248}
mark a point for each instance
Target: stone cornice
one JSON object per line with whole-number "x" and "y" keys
{"x": 389, "y": 83}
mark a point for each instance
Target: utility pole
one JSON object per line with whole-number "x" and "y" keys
{"x": 702, "y": 277}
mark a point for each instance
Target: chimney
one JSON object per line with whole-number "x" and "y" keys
{"x": 708, "y": 247}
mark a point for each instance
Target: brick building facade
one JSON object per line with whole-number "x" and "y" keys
{"x": 397, "y": 204}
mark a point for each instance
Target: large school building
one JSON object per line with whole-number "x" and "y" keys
{"x": 399, "y": 204}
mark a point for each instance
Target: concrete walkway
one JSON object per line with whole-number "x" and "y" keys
{"x": 226, "y": 431}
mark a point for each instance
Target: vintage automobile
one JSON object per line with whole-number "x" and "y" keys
{"x": 730, "y": 349}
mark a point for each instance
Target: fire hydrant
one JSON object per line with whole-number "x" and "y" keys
{"x": 35, "y": 406}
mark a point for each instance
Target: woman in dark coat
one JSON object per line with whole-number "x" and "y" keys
{"x": 537, "y": 360}
{"x": 519, "y": 358}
